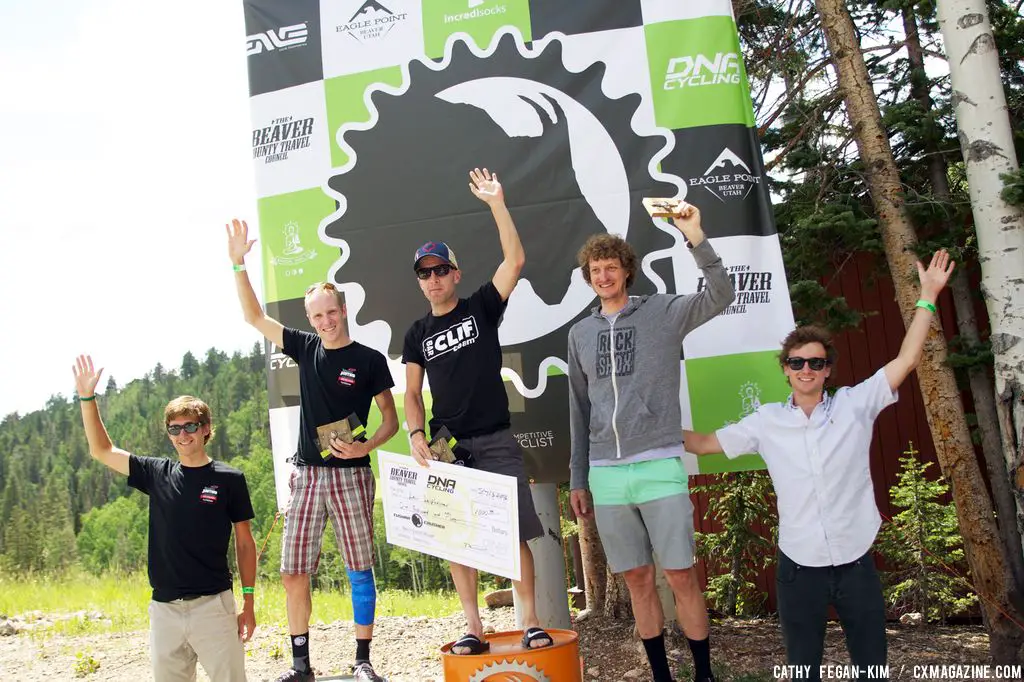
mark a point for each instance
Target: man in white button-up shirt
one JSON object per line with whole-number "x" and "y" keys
{"x": 815, "y": 446}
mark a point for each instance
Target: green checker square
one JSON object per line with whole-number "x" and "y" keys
{"x": 697, "y": 73}
{"x": 346, "y": 104}
{"x": 726, "y": 388}
{"x": 293, "y": 256}
{"x": 480, "y": 19}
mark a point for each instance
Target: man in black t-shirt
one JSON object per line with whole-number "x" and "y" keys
{"x": 338, "y": 378}
{"x": 194, "y": 504}
{"x": 457, "y": 346}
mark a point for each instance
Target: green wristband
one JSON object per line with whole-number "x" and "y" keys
{"x": 85, "y": 400}
{"x": 248, "y": 590}
{"x": 238, "y": 268}
{"x": 926, "y": 305}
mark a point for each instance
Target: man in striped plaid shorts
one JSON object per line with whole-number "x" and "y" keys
{"x": 338, "y": 377}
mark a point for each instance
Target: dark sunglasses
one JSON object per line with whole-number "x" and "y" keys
{"x": 796, "y": 363}
{"x": 189, "y": 427}
{"x": 441, "y": 270}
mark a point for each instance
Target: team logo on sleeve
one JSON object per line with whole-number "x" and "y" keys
{"x": 455, "y": 337}
{"x": 209, "y": 494}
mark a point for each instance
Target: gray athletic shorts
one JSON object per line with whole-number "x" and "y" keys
{"x": 643, "y": 509}
{"x": 499, "y": 453}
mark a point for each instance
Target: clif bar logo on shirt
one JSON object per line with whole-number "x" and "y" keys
{"x": 209, "y": 494}
{"x": 455, "y": 337}
{"x": 347, "y": 377}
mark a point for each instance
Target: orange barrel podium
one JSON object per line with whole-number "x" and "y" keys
{"x": 508, "y": 660}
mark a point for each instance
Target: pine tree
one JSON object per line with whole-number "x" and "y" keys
{"x": 920, "y": 542}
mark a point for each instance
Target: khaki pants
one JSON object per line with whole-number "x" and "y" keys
{"x": 204, "y": 629}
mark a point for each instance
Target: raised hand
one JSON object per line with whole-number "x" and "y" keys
{"x": 238, "y": 240}
{"x": 688, "y": 222}
{"x": 934, "y": 279}
{"x": 86, "y": 377}
{"x": 485, "y": 186}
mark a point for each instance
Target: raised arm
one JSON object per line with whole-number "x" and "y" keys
{"x": 238, "y": 246}
{"x": 701, "y": 443}
{"x": 416, "y": 414}
{"x": 686, "y": 313}
{"x": 100, "y": 447}
{"x": 486, "y": 188}
{"x": 245, "y": 554}
{"x": 933, "y": 280}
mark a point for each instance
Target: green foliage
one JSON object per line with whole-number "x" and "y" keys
{"x": 920, "y": 542}
{"x": 737, "y": 502}
{"x": 1013, "y": 188}
{"x": 85, "y": 664}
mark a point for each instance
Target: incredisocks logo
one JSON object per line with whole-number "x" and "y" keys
{"x": 283, "y": 135}
{"x": 752, "y": 288}
{"x": 455, "y": 337}
{"x": 475, "y": 12}
{"x": 209, "y": 494}
{"x": 694, "y": 71}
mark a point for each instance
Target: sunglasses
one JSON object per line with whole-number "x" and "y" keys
{"x": 188, "y": 427}
{"x": 441, "y": 270}
{"x": 796, "y": 363}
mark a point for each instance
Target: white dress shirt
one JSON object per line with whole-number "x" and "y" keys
{"x": 819, "y": 467}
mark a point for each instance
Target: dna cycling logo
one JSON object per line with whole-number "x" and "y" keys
{"x": 699, "y": 70}
{"x": 571, "y": 165}
{"x": 276, "y": 39}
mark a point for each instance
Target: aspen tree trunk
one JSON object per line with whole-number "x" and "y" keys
{"x": 987, "y": 144}
{"x": 950, "y": 434}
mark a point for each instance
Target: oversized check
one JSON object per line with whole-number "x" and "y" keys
{"x": 462, "y": 515}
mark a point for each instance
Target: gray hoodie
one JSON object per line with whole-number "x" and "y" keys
{"x": 624, "y": 374}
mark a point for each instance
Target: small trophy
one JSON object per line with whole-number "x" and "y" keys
{"x": 347, "y": 430}
{"x": 663, "y": 208}
{"x": 442, "y": 446}
{"x": 447, "y": 449}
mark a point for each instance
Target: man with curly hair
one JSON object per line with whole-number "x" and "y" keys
{"x": 626, "y": 431}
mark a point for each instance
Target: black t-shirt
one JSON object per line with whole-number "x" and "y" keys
{"x": 462, "y": 356}
{"x": 191, "y": 511}
{"x": 333, "y": 383}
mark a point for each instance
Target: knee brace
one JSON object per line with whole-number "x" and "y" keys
{"x": 364, "y": 595}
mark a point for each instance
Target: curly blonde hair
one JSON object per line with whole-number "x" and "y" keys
{"x": 607, "y": 246}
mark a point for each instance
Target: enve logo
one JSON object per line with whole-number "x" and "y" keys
{"x": 283, "y": 38}
{"x": 698, "y": 70}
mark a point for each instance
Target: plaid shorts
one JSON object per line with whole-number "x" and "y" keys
{"x": 346, "y": 495}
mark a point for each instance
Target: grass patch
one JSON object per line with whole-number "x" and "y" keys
{"x": 123, "y": 602}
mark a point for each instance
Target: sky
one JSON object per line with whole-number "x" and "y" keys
{"x": 126, "y": 149}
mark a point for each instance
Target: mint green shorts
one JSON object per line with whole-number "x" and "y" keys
{"x": 643, "y": 510}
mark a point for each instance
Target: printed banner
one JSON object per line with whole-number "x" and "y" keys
{"x": 367, "y": 115}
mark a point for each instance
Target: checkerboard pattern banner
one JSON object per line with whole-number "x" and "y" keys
{"x": 367, "y": 115}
